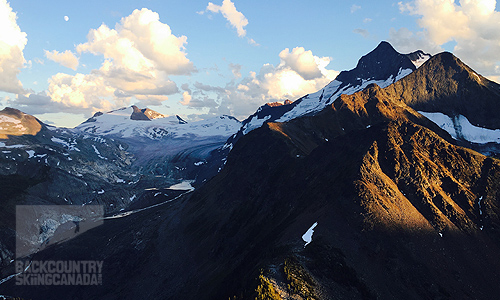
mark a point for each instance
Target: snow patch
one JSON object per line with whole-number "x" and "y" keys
{"x": 459, "y": 127}
{"x": 184, "y": 185}
{"x": 2, "y": 145}
{"x": 479, "y": 204}
{"x": 230, "y": 146}
{"x": 254, "y": 123}
{"x": 422, "y": 58}
{"x": 70, "y": 146}
{"x": 98, "y": 153}
{"x": 31, "y": 153}
{"x": 12, "y": 123}
{"x": 307, "y": 237}
{"x": 403, "y": 73}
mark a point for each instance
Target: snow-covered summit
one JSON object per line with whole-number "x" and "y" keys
{"x": 119, "y": 123}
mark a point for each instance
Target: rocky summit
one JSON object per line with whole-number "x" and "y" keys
{"x": 382, "y": 185}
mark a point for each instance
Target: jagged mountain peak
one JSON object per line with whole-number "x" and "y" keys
{"x": 378, "y": 64}
{"x": 146, "y": 114}
{"x": 181, "y": 121}
{"x": 382, "y": 52}
{"x": 446, "y": 85}
{"x": 452, "y": 67}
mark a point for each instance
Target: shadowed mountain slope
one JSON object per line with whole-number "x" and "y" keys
{"x": 445, "y": 84}
{"x": 395, "y": 196}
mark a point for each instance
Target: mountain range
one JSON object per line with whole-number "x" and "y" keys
{"x": 382, "y": 185}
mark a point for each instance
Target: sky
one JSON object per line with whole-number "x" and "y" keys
{"x": 62, "y": 61}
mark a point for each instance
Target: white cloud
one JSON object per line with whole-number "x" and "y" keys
{"x": 354, "y": 8}
{"x": 471, "y": 24}
{"x": 298, "y": 73}
{"x": 229, "y": 11}
{"x": 367, "y": 20}
{"x": 303, "y": 62}
{"x": 66, "y": 58}
{"x": 140, "y": 54}
{"x": 406, "y": 41}
{"x": 253, "y": 42}
{"x": 12, "y": 43}
{"x": 140, "y": 43}
{"x": 235, "y": 69}
{"x": 185, "y": 87}
{"x": 81, "y": 91}
{"x": 186, "y": 98}
{"x": 362, "y": 32}
{"x": 197, "y": 103}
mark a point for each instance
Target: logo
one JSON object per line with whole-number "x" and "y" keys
{"x": 41, "y": 226}
{"x": 59, "y": 272}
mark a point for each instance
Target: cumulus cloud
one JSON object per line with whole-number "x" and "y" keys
{"x": 140, "y": 43}
{"x": 471, "y": 24}
{"x": 198, "y": 103}
{"x": 298, "y": 73}
{"x": 12, "y": 43}
{"x": 186, "y": 98}
{"x": 303, "y": 62}
{"x": 140, "y": 54}
{"x": 66, "y": 58}
{"x": 185, "y": 87}
{"x": 32, "y": 103}
{"x": 354, "y": 8}
{"x": 232, "y": 15}
{"x": 407, "y": 41}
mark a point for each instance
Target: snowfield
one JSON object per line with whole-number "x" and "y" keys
{"x": 118, "y": 123}
{"x": 459, "y": 127}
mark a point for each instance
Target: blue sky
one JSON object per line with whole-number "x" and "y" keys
{"x": 64, "y": 60}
